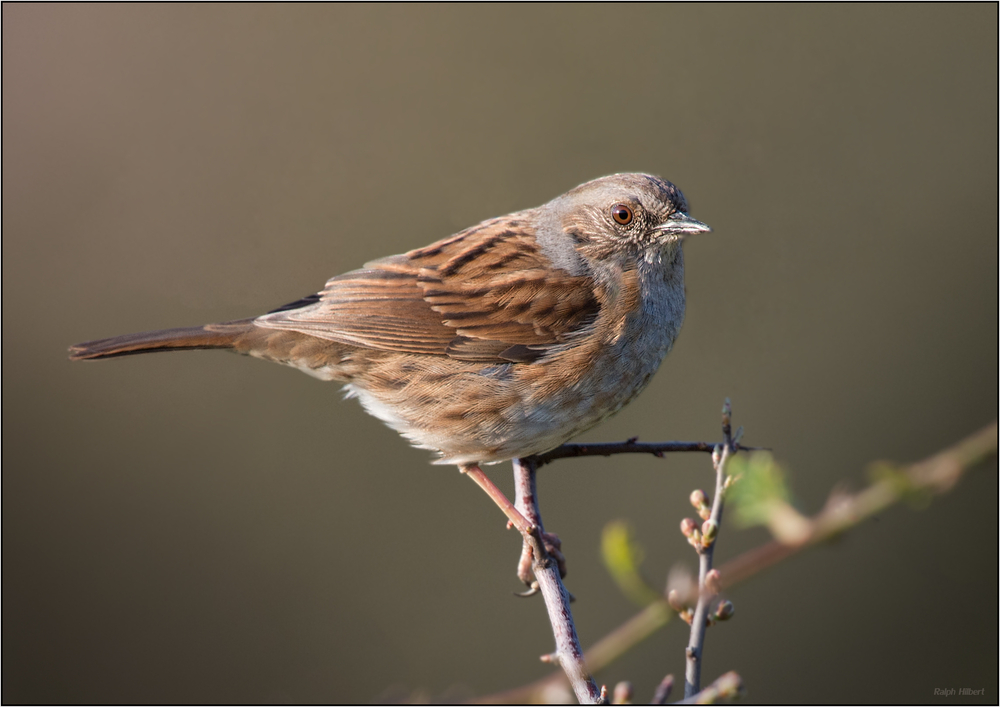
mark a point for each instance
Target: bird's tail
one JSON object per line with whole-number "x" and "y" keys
{"x": 210, "y": 336}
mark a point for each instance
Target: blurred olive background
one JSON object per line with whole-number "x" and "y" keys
{"x": 203, "y": 527}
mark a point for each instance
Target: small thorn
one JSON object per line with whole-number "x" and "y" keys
{"x": 550, "y": 658}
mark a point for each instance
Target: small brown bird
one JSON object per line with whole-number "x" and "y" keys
{"x": 502, "y": 341}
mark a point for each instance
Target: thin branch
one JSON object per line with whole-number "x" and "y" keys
{"x": 599, "y": 656}
{"x": 631, "y": 446}
{"x": 526, "y": 503}
{"x": 568, "y": 652}
{"x": 706, "y": 548}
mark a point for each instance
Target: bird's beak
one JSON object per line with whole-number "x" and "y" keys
{"x": 680, "y": 224}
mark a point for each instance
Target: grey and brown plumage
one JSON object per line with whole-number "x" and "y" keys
{"x": 501, "y": 341}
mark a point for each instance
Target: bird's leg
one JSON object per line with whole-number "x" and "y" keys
{"x": 523, "y": 525}
{"x": 529, "y": 527}
{"x": 522, "y": 515}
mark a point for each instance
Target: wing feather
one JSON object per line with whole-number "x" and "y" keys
{"x": 486, "y": 294}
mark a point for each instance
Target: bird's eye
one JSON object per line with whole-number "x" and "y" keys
{"x": 621, "y": 214}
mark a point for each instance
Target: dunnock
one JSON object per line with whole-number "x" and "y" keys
{"x": 502, "y": 341}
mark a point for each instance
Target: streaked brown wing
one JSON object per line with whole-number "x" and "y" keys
{"x": 485, "y": 294}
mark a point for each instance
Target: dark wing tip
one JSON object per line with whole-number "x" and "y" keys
{"x": 298, "y": 304}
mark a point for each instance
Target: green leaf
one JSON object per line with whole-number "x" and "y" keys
{"x": 623, "y": 556}
{"x": 762, "y": 484}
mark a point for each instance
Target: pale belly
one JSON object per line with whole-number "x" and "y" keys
{"x": 472, "y": 413}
